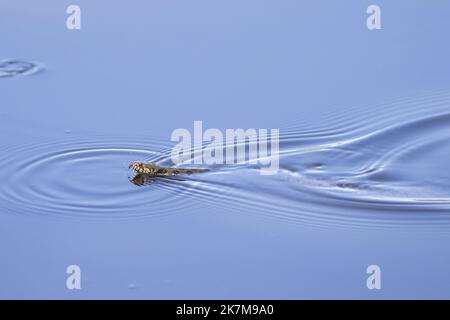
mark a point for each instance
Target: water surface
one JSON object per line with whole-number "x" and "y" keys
{"x": 364, "y": 122}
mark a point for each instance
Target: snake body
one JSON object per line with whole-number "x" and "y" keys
{"x": 154, "y": 170}
{"x": 147, "y": 173}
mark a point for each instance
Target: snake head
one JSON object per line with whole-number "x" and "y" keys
{"x": 133, "y": 165}
{"x": 142, "y": 168}
{"x": 136, "y": 166}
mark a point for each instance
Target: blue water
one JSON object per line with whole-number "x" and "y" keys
{"x": 364, "y": 119}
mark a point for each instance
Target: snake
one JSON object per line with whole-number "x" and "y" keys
{"x": 148, "y": 172}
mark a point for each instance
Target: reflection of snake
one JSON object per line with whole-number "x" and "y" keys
{"x": 147, "y": 172}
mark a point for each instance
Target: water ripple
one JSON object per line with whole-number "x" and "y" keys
{"x": 385, "y": 171}
{"x": 84, "y": 178}
{"x": 14, "y": 67}
{"x": 382, "y": 170}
